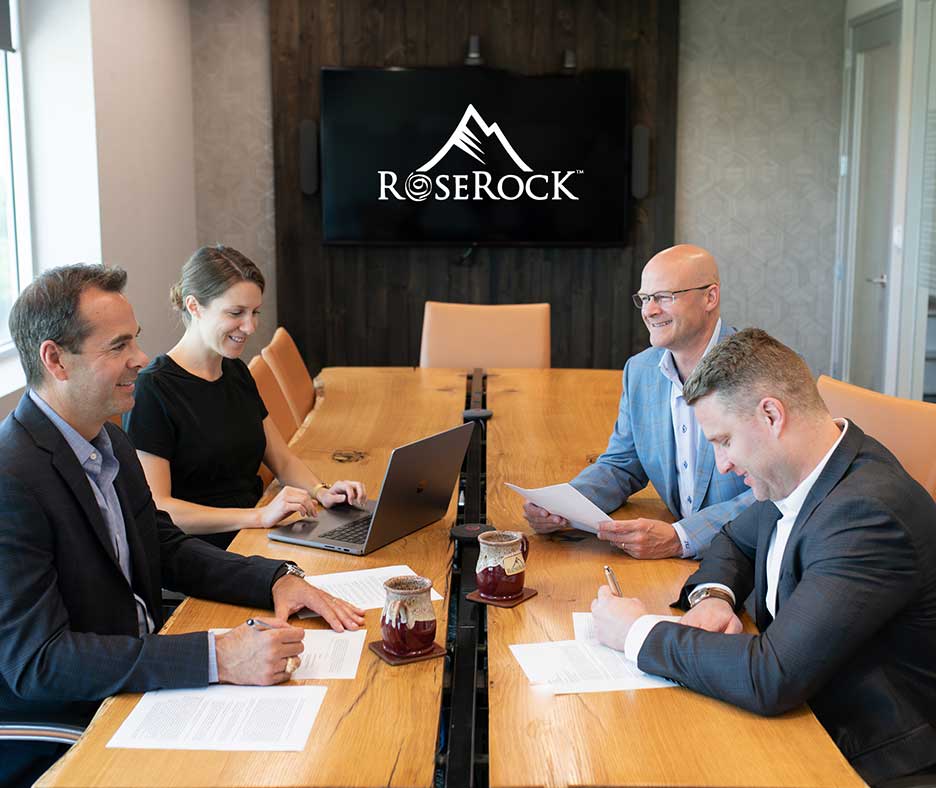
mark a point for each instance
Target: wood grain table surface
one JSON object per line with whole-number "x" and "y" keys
{"x": 547, "y": 425}
{"x": 382, "y": 727}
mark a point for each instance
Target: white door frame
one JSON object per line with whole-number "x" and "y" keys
{"x": 902, "y": 300}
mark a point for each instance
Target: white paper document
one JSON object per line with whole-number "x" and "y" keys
{"x": 362, "y": 587}
{"x": 566, "y": 501}
{"x": 583, "y": 664}
{"x": 222, "y": 717}
{"x": 327, "y": 654}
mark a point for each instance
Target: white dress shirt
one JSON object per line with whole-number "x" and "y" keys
{"x": 688, "y": 435}
{"x": 789, "y": 510}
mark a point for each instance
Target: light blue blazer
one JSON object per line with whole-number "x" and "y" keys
{"x": 642, "y": 448}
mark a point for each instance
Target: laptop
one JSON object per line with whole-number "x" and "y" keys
{"x": 416, "y": 491}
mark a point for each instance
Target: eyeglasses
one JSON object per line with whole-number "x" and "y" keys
{"x": 664, "y": 297}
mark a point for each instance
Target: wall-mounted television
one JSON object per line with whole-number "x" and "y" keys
{"x": 475, "y": 156}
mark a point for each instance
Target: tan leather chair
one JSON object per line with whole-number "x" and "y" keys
{"x": 275, "y": 401}
{"x": 466, "y": 336}
{"x": 291, "y": 372}
{"x": 906, "y": 427}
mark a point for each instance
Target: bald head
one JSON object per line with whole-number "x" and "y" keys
{"x": 684, "y": 323}
{"x": 690, "y": 265}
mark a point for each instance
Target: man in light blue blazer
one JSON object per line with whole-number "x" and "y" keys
{"x": 656, "y": 437}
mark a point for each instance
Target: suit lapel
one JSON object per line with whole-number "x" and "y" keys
{"x": 831, "y": 475}
{"x": 665, "y": 446}
{"x": 769, "y": 517}
{"x": 139, "y": 567}
{"x": 705, "y": 455}
{"x": 47, "y": 436}
{"x": 705, "y": 466}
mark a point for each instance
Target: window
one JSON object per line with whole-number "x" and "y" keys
{"x": 15, "y": 257}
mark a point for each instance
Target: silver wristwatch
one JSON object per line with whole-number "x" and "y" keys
{"x": 709, "y": 592}
{"x": 292, "y": 569}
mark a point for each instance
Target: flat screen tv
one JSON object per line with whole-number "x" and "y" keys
{"x": 474, "y": 156}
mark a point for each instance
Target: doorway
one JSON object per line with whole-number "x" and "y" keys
{"x": 866, "y": 213}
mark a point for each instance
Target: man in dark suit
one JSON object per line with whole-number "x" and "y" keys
{"x": 83, "y": 550}
{"x": 840, "y": 552}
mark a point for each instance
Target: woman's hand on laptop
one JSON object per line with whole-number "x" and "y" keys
{"x": 287, "y": 501}
{"x": 292, "y": 594}
{"x": 343, "y": 491}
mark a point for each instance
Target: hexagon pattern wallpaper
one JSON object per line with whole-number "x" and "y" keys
{"x": 759, "y": 109}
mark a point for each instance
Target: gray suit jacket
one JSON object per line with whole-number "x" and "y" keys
{"x": 855, "y": 630}
{"x": 642, "y": 449}
{"x": 68, "y": 625}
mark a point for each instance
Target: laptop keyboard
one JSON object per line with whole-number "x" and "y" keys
{"x": 354, "y": 532}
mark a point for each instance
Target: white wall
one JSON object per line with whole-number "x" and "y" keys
{"x": 110, "y": 145}
{"x": 142, "y": 55}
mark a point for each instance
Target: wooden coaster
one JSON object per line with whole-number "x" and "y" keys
{"x": 378, "y": 648}
{"x": 528, "y": 593}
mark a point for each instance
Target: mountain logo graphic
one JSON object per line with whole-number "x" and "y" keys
{"x": 478, "y": 184}
{"x": 464, "y": 139}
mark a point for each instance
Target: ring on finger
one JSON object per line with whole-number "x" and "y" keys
{"x": 291, "y": 664}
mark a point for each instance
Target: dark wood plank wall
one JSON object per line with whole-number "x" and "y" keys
{"x": 364, "y": 305}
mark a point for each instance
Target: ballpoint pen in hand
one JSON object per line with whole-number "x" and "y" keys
{"x": 612, "y": 581}
{"x": 291, "y": 662}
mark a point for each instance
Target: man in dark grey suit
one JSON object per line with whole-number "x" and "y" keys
{"x": 83, "y": 550}
{"x": 840, "y": 552}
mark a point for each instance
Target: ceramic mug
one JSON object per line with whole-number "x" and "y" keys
{"x": 501, "y": 567}
{"x": 408, "y": 621}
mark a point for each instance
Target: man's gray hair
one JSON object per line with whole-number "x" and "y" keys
{"x": 48, "y": 309}
{"x": 750, "y": 365}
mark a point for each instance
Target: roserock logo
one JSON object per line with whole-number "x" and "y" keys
{"x": 478, "y": 184}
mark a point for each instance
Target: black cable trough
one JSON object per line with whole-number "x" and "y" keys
{"x": 462, "y": 760}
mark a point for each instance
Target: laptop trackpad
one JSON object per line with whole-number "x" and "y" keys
{"x": 327, "y": 520}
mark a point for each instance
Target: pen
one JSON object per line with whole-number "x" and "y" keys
{"x": 256, "y": 623}
{"x": 612, "y": 581}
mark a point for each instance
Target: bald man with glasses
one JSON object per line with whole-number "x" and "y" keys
{"x": 656, "y": 437}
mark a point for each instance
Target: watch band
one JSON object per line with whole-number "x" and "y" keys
{"x": 698, "y": 594}
{"x": 319, "y": 486}
{"x": 287, "y": 568}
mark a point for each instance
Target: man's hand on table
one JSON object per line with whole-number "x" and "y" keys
{"x": 541, "y": 521}
{"x": 251, "y": 655}
{"x": 614, "y": 616}
{"x": 713, "y": 615}
{"x": 292, "y": 594}
{"x": 642, "y": 538}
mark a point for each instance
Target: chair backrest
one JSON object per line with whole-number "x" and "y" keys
{"x": 466, "y": 336}
{"x": 906, "y": 427}
{"x": 273, "y": 397}
{"x": 290, "y": 370}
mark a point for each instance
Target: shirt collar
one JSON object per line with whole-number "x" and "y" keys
{"x": 668, "y": 362}
{"x": 790, "y": 506}
{"x": 100, "y": 446}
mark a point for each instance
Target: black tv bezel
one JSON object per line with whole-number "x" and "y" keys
{"x": 470, "y": 245}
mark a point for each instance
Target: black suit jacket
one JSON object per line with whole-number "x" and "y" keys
{"x": 855, "y": 630}
{"x": 68, "y": 625}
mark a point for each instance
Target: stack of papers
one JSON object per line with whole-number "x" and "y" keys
{"x": 583, "y": 664}
{"x": 362, "y": 587}
{"x": 222, "y": 717}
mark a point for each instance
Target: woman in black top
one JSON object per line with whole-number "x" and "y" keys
{"x": 199, "y": 425}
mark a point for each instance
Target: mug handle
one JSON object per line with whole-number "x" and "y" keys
{"x": 524, "y": 546}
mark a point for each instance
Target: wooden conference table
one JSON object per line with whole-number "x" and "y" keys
{"x": 382, "y": 728}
